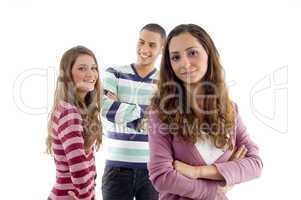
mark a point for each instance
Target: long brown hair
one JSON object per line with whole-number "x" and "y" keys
{"x": 171, "y": 100}
{"x": 89, "y": 108}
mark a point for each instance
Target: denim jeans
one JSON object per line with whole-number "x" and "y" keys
{"x": 120, "y": 183}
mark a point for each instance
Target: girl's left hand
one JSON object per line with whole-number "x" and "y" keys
{"x": 185, "y": 169}
{"x": 224, "y": 189}
{"x": 236, "y": 155}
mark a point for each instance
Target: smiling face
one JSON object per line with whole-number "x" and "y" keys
{"x": 84, "y": 73}
{"x": 188, "y": 58}
{"x": 148, "y": 48}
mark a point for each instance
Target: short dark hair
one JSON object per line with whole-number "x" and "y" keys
{"x": 155, "y": 28}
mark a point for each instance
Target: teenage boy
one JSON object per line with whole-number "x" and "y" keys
{"x": 128, "y": 90}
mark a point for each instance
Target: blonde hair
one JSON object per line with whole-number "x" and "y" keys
{"x": 89, "y": 108}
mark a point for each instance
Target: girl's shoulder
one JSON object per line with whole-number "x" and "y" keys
{"x": 63, "y": 105}
{"x": 65, "y": 108}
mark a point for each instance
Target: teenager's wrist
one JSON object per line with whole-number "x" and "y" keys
{"x": 199, "y": 170}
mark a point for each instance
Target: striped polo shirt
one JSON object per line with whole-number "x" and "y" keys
{"x": 125, "y": 144}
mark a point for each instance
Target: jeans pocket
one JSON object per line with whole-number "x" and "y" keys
{"x": 108, "y": 173}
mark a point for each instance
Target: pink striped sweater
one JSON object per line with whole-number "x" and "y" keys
{"x": 75, "y": 170}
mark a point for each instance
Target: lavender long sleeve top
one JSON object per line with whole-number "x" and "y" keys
{"x": 165, "y": 148}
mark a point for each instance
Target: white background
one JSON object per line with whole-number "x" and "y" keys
{"x": 259, "y": 43}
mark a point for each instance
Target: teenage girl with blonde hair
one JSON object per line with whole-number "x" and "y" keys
{"x": 74, "y": 127}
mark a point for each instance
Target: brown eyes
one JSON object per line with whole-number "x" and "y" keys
{"x": 151, "y": 45}
{"x": 193, "y": 53}
{"x": 175, "y": 58}
{"x": 82, "y": 69}
{"x": 190, "y": 54}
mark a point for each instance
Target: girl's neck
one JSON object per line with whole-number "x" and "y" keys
{"x": 81, "y": 96}
{"x": 195, "y": 97}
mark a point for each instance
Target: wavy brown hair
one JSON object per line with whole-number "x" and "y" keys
{"x": 89, "y": 108}
{"x": 172, "y": 104}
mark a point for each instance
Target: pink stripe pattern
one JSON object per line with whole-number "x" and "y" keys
{"x": 75, "y": 170}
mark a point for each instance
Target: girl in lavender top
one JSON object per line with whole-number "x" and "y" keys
{"x": 199, "y": 146}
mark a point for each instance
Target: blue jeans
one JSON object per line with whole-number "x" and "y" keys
{"x": 120, "y": 183}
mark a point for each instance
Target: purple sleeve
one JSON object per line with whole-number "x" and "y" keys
{"x": 162, "y": 174}
{"x": 245, "y": 169}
